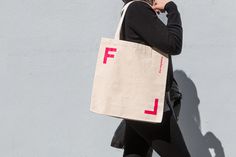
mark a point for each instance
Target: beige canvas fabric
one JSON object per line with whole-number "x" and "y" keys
{"x": 129, "y": 80}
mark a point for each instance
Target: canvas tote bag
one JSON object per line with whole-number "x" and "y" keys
{"x": 129, "y": 80}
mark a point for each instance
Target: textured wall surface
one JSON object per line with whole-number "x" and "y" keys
{"x": 47, "y": 60}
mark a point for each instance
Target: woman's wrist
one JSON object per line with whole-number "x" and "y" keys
{"x": 170, "y": 7}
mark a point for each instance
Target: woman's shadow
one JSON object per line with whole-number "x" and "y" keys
{"x": 199, "y": 145}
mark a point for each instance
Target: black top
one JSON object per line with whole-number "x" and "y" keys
{"x": 142, "y": 25}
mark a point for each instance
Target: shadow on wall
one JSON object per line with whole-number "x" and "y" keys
{"x": 199, "y": 145}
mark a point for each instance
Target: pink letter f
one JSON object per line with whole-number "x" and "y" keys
{"x": 108, "y": 55}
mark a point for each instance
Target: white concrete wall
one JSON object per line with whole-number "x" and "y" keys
{"x": 47, "y": 61}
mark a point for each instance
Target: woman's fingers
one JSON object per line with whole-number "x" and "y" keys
{"x": 160, "y": 4}
{"x": 157, "y": 10}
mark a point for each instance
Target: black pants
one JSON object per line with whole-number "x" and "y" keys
{"x": 165, "y": 138}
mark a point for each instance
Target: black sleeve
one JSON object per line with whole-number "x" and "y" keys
{"x": 142, "y": 19}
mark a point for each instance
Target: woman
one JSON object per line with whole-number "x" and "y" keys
{"x": 142, "y": 25}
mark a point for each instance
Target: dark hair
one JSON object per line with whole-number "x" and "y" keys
{"x": 149, "y": 1}
{"x": 126, "y": 1}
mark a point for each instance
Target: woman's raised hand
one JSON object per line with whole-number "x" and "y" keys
{"x": 159, "y": 5}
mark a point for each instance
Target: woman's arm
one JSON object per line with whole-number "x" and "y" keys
{"x": 143, "y": 20}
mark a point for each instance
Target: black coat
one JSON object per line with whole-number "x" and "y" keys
{"x": 142, "y": 25}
